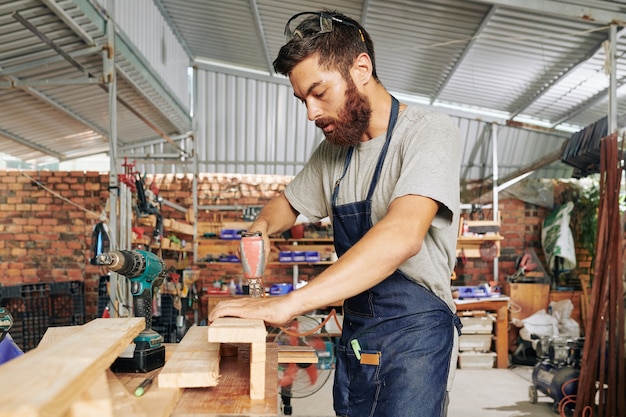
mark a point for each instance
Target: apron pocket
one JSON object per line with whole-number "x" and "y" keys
{"x": 361, "y": 305}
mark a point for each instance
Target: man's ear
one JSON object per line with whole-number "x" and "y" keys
{"x": 362, "y": 68}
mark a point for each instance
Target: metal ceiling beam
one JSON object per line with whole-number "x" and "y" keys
{"x": 553, "y": 156}
{"x": 479, "y": 145}
{"x": 166, "y": 16}
{"x": 29, "y": 144}
{"x": 364, "y": 12}
{"x": 465, "y": 52}
{"x": 52, "y": 103}
{"x": 39, "y": 63}
{"x": 261, "y": 33}
{"x": 67, "y": 19}
{"x": 599, "y": 97}
{"x": 544, "y": 88}
{"x": 123, "y": 45}
{"x": 601, "y": 12}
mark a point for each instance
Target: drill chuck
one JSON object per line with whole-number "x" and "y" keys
{"x": 128, "y": 263}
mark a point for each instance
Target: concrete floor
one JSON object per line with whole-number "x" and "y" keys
{"x": 476, "y": 393}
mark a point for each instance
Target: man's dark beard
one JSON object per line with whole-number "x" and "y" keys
{"x": 352, "y": 121}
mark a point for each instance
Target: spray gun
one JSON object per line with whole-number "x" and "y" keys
{"x": 252, "y": 252}
{"x": 145, "y": 271}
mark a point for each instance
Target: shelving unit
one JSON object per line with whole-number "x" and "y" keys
{"x": 481, "y": 235}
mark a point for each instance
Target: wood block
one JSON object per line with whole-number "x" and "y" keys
{"x": 257, "y": 370}
{"x": 231, "y": 397}
{"x": 236, "y": 330}
{"x": 49, "y": 380}
{"x": 195, "y": 363}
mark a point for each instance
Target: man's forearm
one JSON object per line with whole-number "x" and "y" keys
{"x": 276, "y": 217}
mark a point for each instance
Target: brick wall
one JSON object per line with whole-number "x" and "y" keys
{"x": 44, "y": 238}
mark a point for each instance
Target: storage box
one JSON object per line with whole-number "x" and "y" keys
{"x": 475, "y": 342}
{"x": 476, "y": 360}
{"x": 312, "y": 256}
{"x": 477, "y": 325}
{"x": 285, "y": 256}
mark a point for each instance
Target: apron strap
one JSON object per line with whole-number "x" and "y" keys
{"x": 393, "y": 118}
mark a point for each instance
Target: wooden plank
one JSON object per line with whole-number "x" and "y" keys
{"x": 236, "y": 330}
{"x": 95, "y": 401}
{"x": 45, "y": 382}
{"x": 124, "y": 404}
{"x": 156, "y": 402}
{"x": 257, "y": 370}
{"x": 231, "y": 396}
{"x": 296, "y": 354}
{"x": 195, "y": 363}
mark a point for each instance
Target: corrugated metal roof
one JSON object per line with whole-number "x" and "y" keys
{"x": 56, "y": 107}
{"x": 512, "y": 62}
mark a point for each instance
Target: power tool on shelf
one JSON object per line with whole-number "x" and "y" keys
{"x": 145, "y": 271}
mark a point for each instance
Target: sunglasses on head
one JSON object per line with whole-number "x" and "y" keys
{"x": 326, "y": 24}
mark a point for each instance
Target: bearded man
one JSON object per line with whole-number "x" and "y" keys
{"x": 387, "y": 175}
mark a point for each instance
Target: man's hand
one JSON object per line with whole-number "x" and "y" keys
{"x": 272, "y": 310}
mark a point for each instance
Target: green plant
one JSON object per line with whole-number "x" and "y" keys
{"x": 585, "y": 216}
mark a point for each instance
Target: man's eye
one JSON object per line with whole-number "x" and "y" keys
{"x": 319, "y": 95}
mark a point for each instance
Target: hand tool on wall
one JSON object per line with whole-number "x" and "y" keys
{"x": 8, "y": 349}
{"x": 145, "y": 271}
{"x": 252, "y": 252}
{"x": 6, "y": 322}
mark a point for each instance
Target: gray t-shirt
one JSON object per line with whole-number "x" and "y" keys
{"x": 424, "y": 158}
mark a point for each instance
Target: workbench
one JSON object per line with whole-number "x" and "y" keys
{"x": 501, "y": 306}
{"x": 230, "y": 397}
{"x": 68, "y": 375}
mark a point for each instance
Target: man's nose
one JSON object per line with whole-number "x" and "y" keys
{"x": 313, "y": 112}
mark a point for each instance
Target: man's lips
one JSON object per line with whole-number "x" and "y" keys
{"x": 327, "y": 128}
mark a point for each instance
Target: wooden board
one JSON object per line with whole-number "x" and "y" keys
{"x": 527, "y": 299}
{"x": 230, "y": 397}
{"x": 195, "y": 363}
{"x": 296, "y": 354}
{"x": 236, "y": 330}
{"x": 156, "y": 402}
{"x": 46, "y": 381}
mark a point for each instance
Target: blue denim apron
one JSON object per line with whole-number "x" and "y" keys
{"x": 393, "y": 356}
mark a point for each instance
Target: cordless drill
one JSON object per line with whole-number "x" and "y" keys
{"x": 144, "y": 270}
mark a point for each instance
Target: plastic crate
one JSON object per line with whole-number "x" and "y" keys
{"x": 477, "y": 325}
{"x": 476, "y": 360}
{"x": 35, "y": 307}
{"x": 475, "y": 342}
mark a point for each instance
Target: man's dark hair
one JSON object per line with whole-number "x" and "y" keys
{"x": 336, "y": 49}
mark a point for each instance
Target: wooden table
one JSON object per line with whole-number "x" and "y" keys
{"x": 230, "y": 397}
{"x": 501, "y": 306}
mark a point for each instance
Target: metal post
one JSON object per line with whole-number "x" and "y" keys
{"x": 496, "y": 215}
{"x": 612, "y": 79}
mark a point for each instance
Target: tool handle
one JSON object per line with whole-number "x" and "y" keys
{"x": 143, "y": 305}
